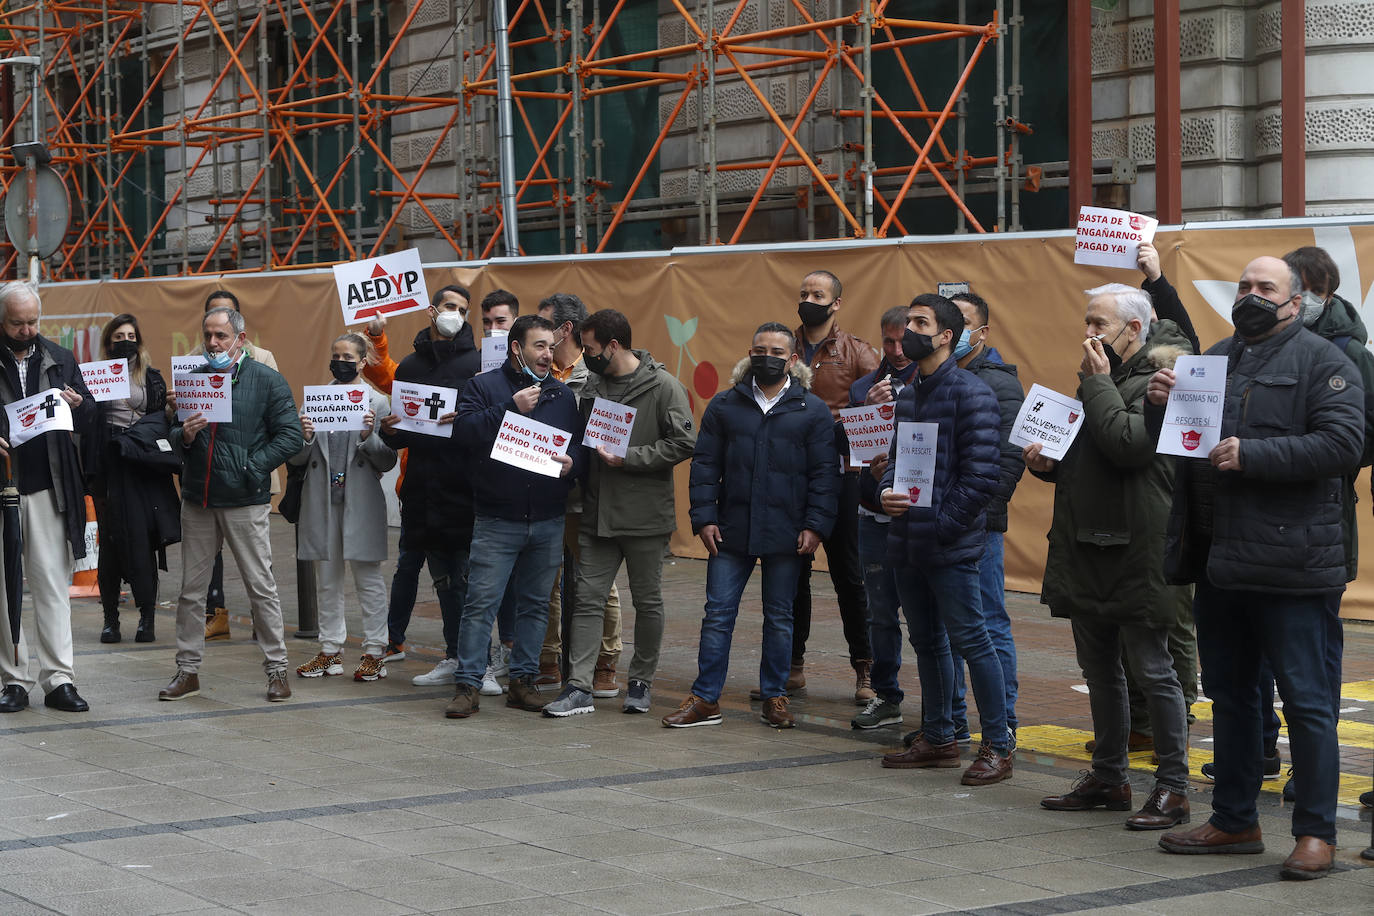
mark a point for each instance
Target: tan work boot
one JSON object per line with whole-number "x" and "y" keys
{"x": 863, "y": 681}
{"x": 603, "y": 681}
{"x": 217, "y": 627}
{"x": 549, "y": 672}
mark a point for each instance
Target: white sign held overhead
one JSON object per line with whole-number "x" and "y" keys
{"x": 609, "y": 425}
{"x": 106, "y": 380}
{"x": 493, "y": 350}
{"x": 210, "y": 394}
{"x": 391, "y": 284}
{"x": 529, "y": 444}
{"x": 37, "y": 414}
{"x": 1049, "y": 418}
{"x": 1111, "y": 238}
{"x": 421, "y": 406}
{"x": 1192, "y": 418}
{"x": 335, "y": 407}
{"x": 915, "y": 471}
{"x": 869, "y": 430}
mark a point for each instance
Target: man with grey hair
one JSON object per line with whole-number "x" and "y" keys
{"x": 52, "y": 504}
{"x": 225, "y": 492}
{"x": 1106, "y": 556}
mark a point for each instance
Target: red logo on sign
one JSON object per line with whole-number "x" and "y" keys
{"x": 412, "y": 408}
{"x": 1072, "y": 416}
{"x": 28, "y": 418}
{"x": 914, "y": 493}
{"x": 356, "y": 397}
{"x": 216, "y": 381}
{"x": 116, "y": 369}
{"x": 886, "y": 411}
{"x": 559, "y": 440}
{"x": 1191, "y": 439}
{"x": 1137, "y": 222}
{"x": 629, "y": 418}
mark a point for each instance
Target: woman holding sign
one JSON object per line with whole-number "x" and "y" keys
{"x": 343, "y": 509}
{"x": 129, "y": 466}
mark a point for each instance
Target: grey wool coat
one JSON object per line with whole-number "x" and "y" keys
{"x": 364, "y": 504}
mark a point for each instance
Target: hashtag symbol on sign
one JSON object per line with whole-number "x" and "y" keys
{"x": 1038, "y": 405}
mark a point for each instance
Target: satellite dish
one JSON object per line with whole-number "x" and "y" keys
{"x": 54, "y": 211}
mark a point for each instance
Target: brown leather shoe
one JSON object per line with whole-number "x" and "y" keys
{"x": 524, "y": 693}
{"x": 775, "y": 713}
{"x": 1135, "y": 741}
{"x": 1164, "y": 808}
{"x": 1208, "y": 840}
{"x": 987, "y": 768}
{"x": 693, "y": 711}
{"x": 794, "y": 687}
{"x": 278, "y": 688}
{"x": 923, "y": 754}
{"x": 464, "y": 703}
{"x": 549, "y": 673}
{"x": 863, "y": 681}
{"x": 1312, "y": 858}
{"x": 1088, "y": 793}
{"x": 184, "y": 684}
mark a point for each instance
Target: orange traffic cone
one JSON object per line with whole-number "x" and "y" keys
{"x": 84, "y": 575}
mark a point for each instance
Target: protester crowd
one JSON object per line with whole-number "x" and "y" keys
{"x": 1231, "y": 563}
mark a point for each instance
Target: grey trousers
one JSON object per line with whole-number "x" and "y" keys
{"x": 596, "y": 570}
{"x": 1097, "y": 642}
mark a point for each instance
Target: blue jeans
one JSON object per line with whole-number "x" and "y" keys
{"x": 726, "y": 575}
{"x": 405, "y": 584}
{"x": 884, "y": 629}
{"x": 1335, "y": 650}
{"x": 992, "y": 584}
{"x": 943, "y": 609}
{"x": 1235, "y": 631}
{"x": 526, "y": 554}
{"x": 449, "y": 569}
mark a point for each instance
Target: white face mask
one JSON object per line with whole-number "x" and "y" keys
{"x": 448, "y": 324}
{"x": 1312, "y": 307}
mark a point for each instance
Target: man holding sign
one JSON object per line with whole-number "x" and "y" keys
{"x": 938, "y": 532}
{"x": 627, "y": 503}
{"x": 1105, "y": 568}
{"x": 518, "y": 534}
{"x": 52, "y": 505}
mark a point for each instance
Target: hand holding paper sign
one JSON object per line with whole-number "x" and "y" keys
{"x": 1036, "y": 461}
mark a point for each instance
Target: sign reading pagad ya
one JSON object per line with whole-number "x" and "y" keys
{"x": 392, "y": 284}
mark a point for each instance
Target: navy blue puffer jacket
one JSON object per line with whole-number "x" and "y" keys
{"x": 763, "y": 478}
{"x": 953, "y": 528}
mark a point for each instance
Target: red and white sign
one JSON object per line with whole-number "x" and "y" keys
{"x": 335, "y": 407}
{"x": 1111, "y": 238}
{"x": 392, "y": 284}
{"x": 185, "y": 365}
{"x": 1192, "y": 418}
{"x": 210, "y": 394}
{"x": 869, "y": 429}
{"x": 609, "y": 425}
{"x": 529, "y": 444}
{"x": 37, "y": 414}
{"x": 106, "y": 380}
{"x": 494, "y": 348}
{"x": 914, "y": 474}
{"x": 421, "y": 406}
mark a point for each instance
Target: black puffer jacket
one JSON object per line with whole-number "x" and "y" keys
{"x": 1297, "y": 405}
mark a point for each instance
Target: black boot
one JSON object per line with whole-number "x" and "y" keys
{"x": 145, "y": 626}
{"x": 111, "y": 631}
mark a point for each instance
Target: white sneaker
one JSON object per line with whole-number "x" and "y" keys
{"x": 500, "y": 661}
{"x": 440, "y": 676}
{"x": 491, "y": 687}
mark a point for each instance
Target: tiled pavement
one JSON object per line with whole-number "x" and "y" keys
{"x": 361, "y": 798}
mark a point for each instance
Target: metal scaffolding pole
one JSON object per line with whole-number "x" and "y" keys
{"x": 263, "y": 83}
{"x": 1000, "y": 101}
{"x": 355, "y": 148}
{"x": 579, "y": 152}
{"x": 510, "y": 216}
{"x": 560, "y": 194}
{"x": 181, "y": 135}
{"x": 712, "y": 165}
{"x": 867, "y": 92}
{"x": 1016, "y": 90}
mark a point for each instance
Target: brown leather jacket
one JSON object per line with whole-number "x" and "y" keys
{"x": 840, "y": 360}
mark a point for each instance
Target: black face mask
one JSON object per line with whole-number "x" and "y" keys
{"x": 916, "y": 347}
{"x": 813, "y": 314}
{"x": 124, "y": 349}
{"x": 343, "y": 370}
{"x": 598, "y": 363}
{"x": 1254, "y": 315}
{"x": 16, "y": 346}
{"x": 768, "y": 370}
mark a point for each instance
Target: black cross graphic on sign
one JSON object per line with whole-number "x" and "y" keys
{"x": 434, "y": 402}
{"x": 1038, "y": 405}
{"x": 49, "y": 406}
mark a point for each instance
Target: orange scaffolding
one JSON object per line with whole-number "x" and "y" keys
{"x": 244, "y": 185}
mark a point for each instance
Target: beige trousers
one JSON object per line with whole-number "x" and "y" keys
{"x": 47, "y": 575}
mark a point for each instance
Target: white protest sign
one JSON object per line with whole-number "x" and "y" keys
{"x": 335, "y": 406}
{"x": 1192, "y": 418}
{"x": 609, "y": 425}
{"x": 869, "y": 429}
{"x": 493, "y": 350}
{"x": 1111, "y": 238}
{"x": 421, "y": 406}
{"x": 185, "y": 365}
{"x": 951, "y": 289}
{"x": 529, "y": 444}
{"x": 210, "y": 394}
{"x": 37, "y": 414}
{"x": 915, "y": 471}
{"x": 392, "y": 284}
{"x": 1049, "y": 418}
{"x": 106, "y": 380}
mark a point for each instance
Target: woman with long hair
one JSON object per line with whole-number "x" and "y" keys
{"x": 343, "y": 518}
{"x": 129, "y": 469}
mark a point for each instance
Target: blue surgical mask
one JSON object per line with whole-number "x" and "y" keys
{"x": 538, "y": 380}
{"x": 220, "y": 360}
{"x": 963, "y": 347}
